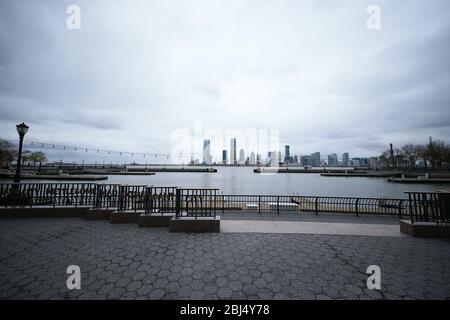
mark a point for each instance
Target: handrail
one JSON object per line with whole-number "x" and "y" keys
{"x": 196, "y": 202}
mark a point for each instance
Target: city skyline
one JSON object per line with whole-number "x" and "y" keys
{"x": 315, "y": 159}
{"x": 80, "y": 154}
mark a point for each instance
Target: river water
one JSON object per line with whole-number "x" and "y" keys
{"x": 242, "y": 180}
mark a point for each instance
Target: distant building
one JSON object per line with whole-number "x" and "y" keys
{"x": 345, "y": 160}
{"x": 332, "y": 160}
{"x": 241, "y": 156}
{"x": 276, "y": 158}
{"x": 252, "y": 158}
{"x": 224, "y": 157}
{"x": 273, "y": 158}
{"x": 295, "y": 160}
{"x": 207, "y": 159}
{"x": 373, "y": 162}
{"x": 306, "y": 161}
{"x": 420, "y": 163}
{"x": 363, "y": 162}
{"x": 315, "y": 159}
{"x": 287, "y": 155}
{"x": 356, "y": 162}
{"x": 233, "y": 151}
{"x": 269, "y": 157}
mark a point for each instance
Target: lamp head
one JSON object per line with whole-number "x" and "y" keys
{"x": 22, "y": 129}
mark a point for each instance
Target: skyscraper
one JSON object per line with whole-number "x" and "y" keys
{"x": 345, "y": 159}
{"x": 241, "y": 156}
{"x": 315, "y": 159}
{"x": 207, "y": 159}
{"x": 252, "y": 158}
{"x": 287, "y": 155}
{"x": 224, "y": 157}
{"x": 233, "y": 151}
{"x": 274, "y": 158}
{"x": 306, "y": 161}
{"x": 355, "y": 162}
{"x": 332, "y": 160}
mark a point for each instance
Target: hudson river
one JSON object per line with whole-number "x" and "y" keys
{"x": 242, "y": 180}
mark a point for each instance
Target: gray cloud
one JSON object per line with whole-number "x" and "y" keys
{"x": 139, "y": 70}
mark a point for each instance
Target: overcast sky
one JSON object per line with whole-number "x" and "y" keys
{"x": 138, "y": 71}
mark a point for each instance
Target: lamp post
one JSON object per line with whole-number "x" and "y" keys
{"x": 21, "y": 130}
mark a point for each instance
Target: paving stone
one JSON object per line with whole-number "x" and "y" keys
{"x": 154, "y": 264}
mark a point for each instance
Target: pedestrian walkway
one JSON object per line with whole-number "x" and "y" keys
{"x": 123, "y": 261}
{"x": 355, "y": 229}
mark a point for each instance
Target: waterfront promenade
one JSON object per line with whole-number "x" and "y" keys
{"x": 127, "y": 262}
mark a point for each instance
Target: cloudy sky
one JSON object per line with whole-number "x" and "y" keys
{"x": 139, "y": 71}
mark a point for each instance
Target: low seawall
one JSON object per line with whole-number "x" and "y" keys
{"x": 65, "y": 177}
{"x": 169, "y": 169}
{"x": 296, "y": 170}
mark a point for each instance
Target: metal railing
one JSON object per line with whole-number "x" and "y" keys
{"x": 201, "y": 202}
{"x": 316, "y": 204}
{"x": 160, "y": 200}
{"x": 47, "y": 194}
{"x": 430, "y": 207}
{"x": 196, "y": 202}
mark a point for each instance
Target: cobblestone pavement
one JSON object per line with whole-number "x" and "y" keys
{"x": 126, "y": 262}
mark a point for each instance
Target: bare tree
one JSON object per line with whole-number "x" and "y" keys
{"x": 409, "y": 151}
{"x": 7, "y": 152}
{"x": 436, "y": 151}
{"x": 421, "y": 152}
{"x": 393, "y": 157}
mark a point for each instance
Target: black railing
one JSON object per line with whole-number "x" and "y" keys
{"x": 316, "y": 204}
{"x": 106, "y": 196}
{"x": 196, "y": 202}
{"x": 131, "y": 197}
{"x": 48, "y": 194}
{"x": 201, "y": 202}
{"x": 430, "y": 207}
{"x": 160, "y": 200}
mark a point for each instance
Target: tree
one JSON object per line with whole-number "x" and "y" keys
{"x": 409, "y": 151}
{"x": 7, "y": 152}
{"x": 26, "y": 156}
{"x": 421, "y": 152}
{"x": 393, "y": 159}
{"x": 436, "y": 151}
{"x": 38, "y": 156}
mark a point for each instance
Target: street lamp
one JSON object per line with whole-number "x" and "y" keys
{"x": 21, "y": 130}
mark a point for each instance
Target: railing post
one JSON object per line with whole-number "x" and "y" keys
{"x": 278, "y": 204}
{"x": 316, "y": 205}
{"x": 121, "y": 198}
{"x": 259, "y": 204}
{"x": 146, "y": 200}
{"x": 356, "y": 207}
{"x": 98, "y": 196}
{"x": 178, "y": 203}
{"x": 410, "y": 208}
{"x": 400, "y": 209}
{"x": 223, "y": 203}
